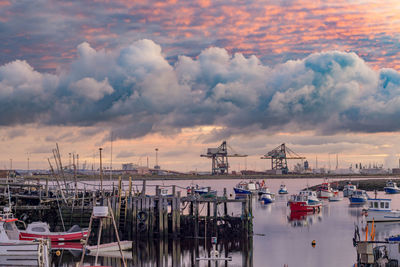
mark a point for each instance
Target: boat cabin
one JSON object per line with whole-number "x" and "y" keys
{"x": 299, "y": 198}
{"x": 391, "y": 184}
{"x": 350, "y": 187}
{"x": 251, "y": 186}
{"x": 38, "y": 227}
{"x": 325, "y": 187}
{"x": 308, "y": 193}
{"x": 379, "y": 204}
{"x": 8, "y": 229}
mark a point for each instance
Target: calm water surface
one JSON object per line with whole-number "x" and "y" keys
{"x": 279, "y": 236}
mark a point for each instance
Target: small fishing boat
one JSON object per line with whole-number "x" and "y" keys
{"x": 262, "y": 188}
{"x": 245, "y": 188}
{"x": 335, "y": 198}
{"x": 42, "y": 230}
{"x": 283, "y": 190}
{"x": 71, "y": 245}
{"x": 326, "y": 191}
{"x": 379, "y": 210}
{"x": 358, "y": 197}
{"x": 311, "y": 195}
{"x": 302, "y": 203}
{"x": 267, "y": 197}
{"x": 205, "y": 191}
{"x": 348, "y": 189}
{"x": 391, "y": 188}
{"x": 109, "y": 247}
{"x": 17, "y": 252}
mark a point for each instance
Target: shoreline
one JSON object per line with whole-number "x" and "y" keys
{"x": 217, "y": 177}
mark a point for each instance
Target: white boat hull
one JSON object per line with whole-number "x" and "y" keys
{"x": 383, "y": 216}
{"x": 19, "y": 249}
{"x": 125, "y": 245}
{"x": 325, "y": 194}
{"x": 19, "y": 261}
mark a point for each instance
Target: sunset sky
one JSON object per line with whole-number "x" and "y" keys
{"x": 182, "y": 76}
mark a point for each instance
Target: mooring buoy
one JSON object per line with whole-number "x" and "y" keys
{"x": 313, "y": 243}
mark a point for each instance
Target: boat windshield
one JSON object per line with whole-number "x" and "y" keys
{"x": 11, "y": 230}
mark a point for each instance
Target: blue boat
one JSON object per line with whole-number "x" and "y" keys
{"x": 358, "y": 197}
{"x": 245, "y": 188}
{"x": 391, "y": 188}
{"x": 205, "y": 191}
{"x": 282, "y": 190}
{"x": 267, "y": 198}
{"x": 394, "y": 238}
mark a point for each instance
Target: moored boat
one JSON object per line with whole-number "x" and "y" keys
{"x": 325, "y": 191}
{"x": 267, "y": 197}
{"x": 302, "y": 203}
{"x": 335, "y": 198}
{"x": 245, "y": 188}
{"x": 109, "y": 247}
{"x": 358, "y": 197}
{"x": 348, "y": 189}
{"x": 205, "y": 191}
{"x": 37, "y": 230}
{"x": 379, "y": 210}
{"x": 13, "y": 250}
{"x": 283, "y": 190}
{"x": 391, "y": 188}
{"x": 311, "y": 195}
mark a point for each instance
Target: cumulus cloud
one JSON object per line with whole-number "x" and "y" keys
{"x": 91, "y": 89}
{"x": 137, "y": 91}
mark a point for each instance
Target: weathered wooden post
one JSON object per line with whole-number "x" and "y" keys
{"x": 196, "y": 219}
{"x": 215, "y": 232}
{"x": 178, "y": 215}
{"x": 151, "y": 217}
{"x": 130, "y": 185}
{"x": 165, "y": 214}
{"x": 160, "y": 216}
{"x": 144, "y": 188}
{"x": 225, "y": 203}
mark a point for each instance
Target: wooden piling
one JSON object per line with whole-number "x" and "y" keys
{"x": 225, "y": 203}
{"x": 144, "y": 188}
{"x": 178, "y": 214}
{"x": 196, "y": 219}
{"x": 165, "y": 216}
{"x": 130, "y": 185}
{"x": 160, "y": 216}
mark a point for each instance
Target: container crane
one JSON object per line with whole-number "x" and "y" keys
{"x": 219, "y": 157}
{"x": 279, "y": 157}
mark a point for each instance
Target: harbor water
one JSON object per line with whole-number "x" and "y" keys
{"x": 280, "y": 237}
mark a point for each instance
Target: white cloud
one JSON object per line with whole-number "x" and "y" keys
{"x": 91, "y": 89}
{"x": 138, "y": 91}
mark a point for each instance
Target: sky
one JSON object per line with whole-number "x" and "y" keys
{"x": 182, "y": 76}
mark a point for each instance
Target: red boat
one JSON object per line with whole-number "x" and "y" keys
{"x": 66, "y": 246}
{"x": 41, "y": 230}
{"x": 301, "y": 203}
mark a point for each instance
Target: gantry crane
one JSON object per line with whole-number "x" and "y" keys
{"x": 279, "y": 157}
{"x": 219, "y": 157}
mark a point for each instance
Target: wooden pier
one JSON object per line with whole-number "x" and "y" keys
{"x": 139, "y": 216}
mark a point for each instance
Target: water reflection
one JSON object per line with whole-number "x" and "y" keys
{"x": 166, "y": 253}
{"x": 355, "y": 211}
{"x": 304, "y": 218}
